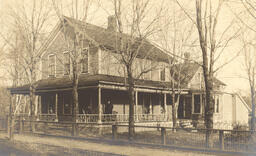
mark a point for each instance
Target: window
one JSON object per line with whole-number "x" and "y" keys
{"x": 197, "y": 104}
{"x": 51, "y": 64}
{"x": 162, "y": 74}
{"x": 66, "y": 63}
{"x": 84, "y": 61}
{"x": 216, "y": 103}
{"x": 51, "y": 104}
{"x": 67, "y": 107}
{"x": 48, "y": 103}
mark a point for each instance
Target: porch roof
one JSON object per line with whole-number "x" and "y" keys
{"x": 87, "y": 80}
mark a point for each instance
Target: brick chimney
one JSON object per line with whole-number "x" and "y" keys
{"x": 112, "y": 23}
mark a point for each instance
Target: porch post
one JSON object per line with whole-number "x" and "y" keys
{"x": 56, "y": 107}
{"x": 39, "y": 105}
{"x": 150, "y": 105}
{"x": 165, "y": 108}
{"x": 136, "y": 105}
{"x": 99, "y": 105}
{"x": 10, "y": 119}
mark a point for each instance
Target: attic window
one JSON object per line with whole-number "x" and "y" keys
{"x": 85, "y": 60}
{"x": 51, "y": 65}
{"x": 66, "y": 63}
{"x": 162, "y": 74}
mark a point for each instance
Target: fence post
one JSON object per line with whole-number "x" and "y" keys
{"x": 221, "y": 139}
{"x": 163, "y": 135}
{"x": 114, "y": 132}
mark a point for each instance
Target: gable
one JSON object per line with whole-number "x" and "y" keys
{"x": 107, "y": 39}
{"x": 197, "y": 81}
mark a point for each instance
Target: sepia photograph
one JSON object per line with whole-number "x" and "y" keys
{"x": 127, "y": 77}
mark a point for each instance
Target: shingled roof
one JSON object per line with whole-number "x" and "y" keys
{"x": 88, "y": 80}
{"x": 108, "y": 39}
{"x": 187, "y": 72}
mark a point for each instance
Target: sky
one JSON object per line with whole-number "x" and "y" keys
{"x": 231, "y": 74}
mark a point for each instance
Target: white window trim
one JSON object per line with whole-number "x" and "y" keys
{"x": 193, "y": 103}
{"x": 88, "y": 64}
{"x": 64, "y": 63}
{"x": 54, "y": 65}
{"x": 217, "y": 95}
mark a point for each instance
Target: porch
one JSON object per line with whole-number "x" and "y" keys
{"x": 104, "y": 105}
{"x": 106, "y": 118}
{"x": 101, "y": 98}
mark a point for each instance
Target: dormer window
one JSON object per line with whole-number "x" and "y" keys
{"x": 52, "y": 65}
{"x": 85, "y": 61}
{"x": 66, "y": 63}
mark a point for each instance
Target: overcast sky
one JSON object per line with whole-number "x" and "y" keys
{"x": 230, "y": 74}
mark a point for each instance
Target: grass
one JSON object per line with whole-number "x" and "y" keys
{"x": 183, "y": 138}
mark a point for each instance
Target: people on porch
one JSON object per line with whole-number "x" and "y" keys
{"x": 108, "y": 107}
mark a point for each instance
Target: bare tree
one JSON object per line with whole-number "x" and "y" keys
{"x": 177, "y": 39}
{"x": 75, "y": 45}
{"x": 29, "y": 27}
{"x": 131, "y": 19}
{"x": 213, "y": 43}
{"x": 249, "y": 47}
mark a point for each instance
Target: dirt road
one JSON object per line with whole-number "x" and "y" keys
{"x": 53, "y": 146}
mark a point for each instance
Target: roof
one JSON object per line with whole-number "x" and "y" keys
{"x": 108, "y": 39}
{"x": 87, "y": 80}
{"x": 187, "y": 72}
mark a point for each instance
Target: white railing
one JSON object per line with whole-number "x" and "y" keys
{"x": 105, "y": 118}
{"x": 47, "y": 117}
{"x": 21, "y": 116}
{"x": 120, "y": 118}
{"x": 87, "y": 118}
{"x": 150, "y": 117}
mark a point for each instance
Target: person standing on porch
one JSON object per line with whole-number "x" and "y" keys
{"x": 108, "y": 107}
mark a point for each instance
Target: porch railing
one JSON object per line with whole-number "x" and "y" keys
{"x": 47, "y": 117}
{"x": 150, "y": 117}
{"x": 105, "y": 118}
{"x": 21, "y": 116}
{"x": 120, "y": 118}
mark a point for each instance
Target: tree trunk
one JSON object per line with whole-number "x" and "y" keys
{"x": 10, "y": 120}
{"x": 253, "y": 108}
{"x": 32, "y": 102}
{"x": 75, "y": 100}
{"x": 175, "y": 104}
{"x": 131, "y": 102}
{"x": 209, "y": 109}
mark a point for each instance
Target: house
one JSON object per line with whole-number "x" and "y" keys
{"x": 102, "y": 90}
{"x": 229, "y": 108}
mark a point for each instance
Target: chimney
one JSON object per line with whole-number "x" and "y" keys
{"x": 112, "y": 23}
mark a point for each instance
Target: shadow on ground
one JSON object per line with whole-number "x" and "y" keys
{"x": 8, "y": 148}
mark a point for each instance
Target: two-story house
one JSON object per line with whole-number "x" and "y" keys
{"x": 102, "y": 90}
{"x": 102, "y": 80}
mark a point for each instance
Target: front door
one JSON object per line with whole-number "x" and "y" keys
{"x": 65, "y": 106}
{"x": 184, "y": 107}
{"x": 188, "y": 107}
